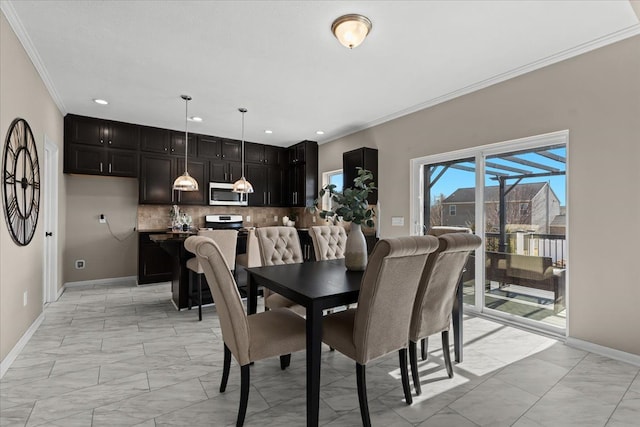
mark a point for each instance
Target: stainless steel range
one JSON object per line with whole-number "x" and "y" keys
{"x": 222, "y": 222}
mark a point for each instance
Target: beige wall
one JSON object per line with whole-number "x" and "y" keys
{"x": 597, "y": 97}
{"x": 23, "y": 94}
{"x": 105, "y": 256}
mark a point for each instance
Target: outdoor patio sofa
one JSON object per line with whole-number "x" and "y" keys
{"x": 529, "y": 271}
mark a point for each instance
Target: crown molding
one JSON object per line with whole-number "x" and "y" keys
{"x": 16, "y": 24}
{"x": 499, "y": 78}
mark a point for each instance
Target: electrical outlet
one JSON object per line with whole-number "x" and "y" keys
{"x": 103, "y": 219}
{"x": 248, "y": 218}
{"x": 24, "y": 298}
{"x": 275, "y": 218}
{"x": 314, "y": 218}
{"x": 80, "y": 263}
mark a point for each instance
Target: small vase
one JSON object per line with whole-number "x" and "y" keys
{"x": 355, "y": 256}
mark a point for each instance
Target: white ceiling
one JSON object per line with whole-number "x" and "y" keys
{"x": 280, "y": 61}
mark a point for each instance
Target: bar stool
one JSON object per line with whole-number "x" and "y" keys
{"x": 227, "y": 241}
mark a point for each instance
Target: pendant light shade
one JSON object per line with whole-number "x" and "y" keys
{"x": 242, "y": 185}
{"x": 185, "y": 182}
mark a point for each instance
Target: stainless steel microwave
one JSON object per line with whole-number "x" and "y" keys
{"x": 220, "y": 194}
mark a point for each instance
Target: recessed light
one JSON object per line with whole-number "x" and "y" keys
{"x": 268, "y": 131}
{"x": 100, "y": 101}
{"x": 195, "y": 119}
{"x": 319, "y": 132}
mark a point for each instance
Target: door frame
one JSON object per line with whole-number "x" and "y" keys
{"x": 50, "y": 222}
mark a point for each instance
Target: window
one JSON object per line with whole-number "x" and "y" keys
{"x": 524, "y": 208}
{"x": 452, "y": 210}
{"x": 334, "y": 177}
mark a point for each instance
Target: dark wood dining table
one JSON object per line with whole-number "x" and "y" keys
{"x": 317, "y": 286}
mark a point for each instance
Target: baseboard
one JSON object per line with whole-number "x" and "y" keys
{"x": 114, "y": 280}
{"x": 60, "y": 292}
{"x": 612, "y": 353}
{"x": 15, "y": 351}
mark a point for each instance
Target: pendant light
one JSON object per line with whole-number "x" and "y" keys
{"x": 185, "y": 182}
{"x": 242, "y": 185}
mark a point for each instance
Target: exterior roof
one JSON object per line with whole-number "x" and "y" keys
{"x": 521, "y": 192}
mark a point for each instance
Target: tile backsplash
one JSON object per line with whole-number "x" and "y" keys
{"x": 156, "y": 217}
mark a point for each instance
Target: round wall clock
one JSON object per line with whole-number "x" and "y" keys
{"x": 21, "y": 182}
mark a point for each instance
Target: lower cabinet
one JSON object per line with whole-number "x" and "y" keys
{"x": 154, "y": 263}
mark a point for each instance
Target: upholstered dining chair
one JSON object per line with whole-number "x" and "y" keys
{"x": 329, "y": 241}
{"x": 439, "y": 230}
{"x": 380, "y": 323}
{"x": 436, "y": 295}
{"x": 251, "y": 258}
{"x": 279, "y": 245}
{"x": 227, "y": 241}
{"x": 277, "y": 332}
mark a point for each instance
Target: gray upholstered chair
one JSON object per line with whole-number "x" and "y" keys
{"x": 278, "y": 332}
{"x": 279, "y": 245}
{"x": 380, "y": 323}
{"x": 227, "y": 241}
{"x": 329, "y": 241}
{"x": 436, "y": 295}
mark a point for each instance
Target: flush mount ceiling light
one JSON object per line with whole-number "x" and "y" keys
{"x": 195, "y": 119}
{"x": 185, "y": 182}
{"x": 351, "y": 30}
{"x": 242, "y": 185}
{"x": 269, "y": 131}
{"x": 100, "y": 101}
{"x": 319, "y": 132}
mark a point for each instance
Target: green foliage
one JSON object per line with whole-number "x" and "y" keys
{"x": 351, "y": 204}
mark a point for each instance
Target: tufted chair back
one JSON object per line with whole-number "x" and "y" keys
{"x": 329, "y": 241}
{"x": 279, "y": 245}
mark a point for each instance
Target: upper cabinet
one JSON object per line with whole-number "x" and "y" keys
{"x": 105, "y": 133}
{"x": 302, "y": 176}
{"x": 156, "y": 140}
{"x": 219, "y": 148}
{"x": 100, "y": 147}
{"x": 262, "y": 154}
{"x": 365, "y": 158}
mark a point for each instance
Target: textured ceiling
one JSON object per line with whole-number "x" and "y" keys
{"x": 280, "y": 61}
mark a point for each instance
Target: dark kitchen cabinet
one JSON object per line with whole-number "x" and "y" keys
{"x": 98, "y": 132}
{"x": 157, "y": 173}
{"x": 88, "y": 160}
{"x": 154, "y": 263}
{"x": 176, "y": 144}
{"x": 302, "y": 174}
{"x": 219, "y": 148}
{"x": 225, "y": 171}
{"x": 199, "y": 170}
{"x": 267, "y": 185}
{"x": 262, "y": 154}
{"x": 156, "y": 140}
{"x": 365, "y": 158}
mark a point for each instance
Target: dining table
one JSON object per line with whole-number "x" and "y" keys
{"x": 317, "y": 286}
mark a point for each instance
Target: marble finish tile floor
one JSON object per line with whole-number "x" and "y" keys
{"x": 121, "y": 355}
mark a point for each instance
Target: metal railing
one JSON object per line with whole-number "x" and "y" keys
{"x": 553, "y": 246}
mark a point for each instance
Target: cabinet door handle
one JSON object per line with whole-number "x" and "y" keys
{"x": 109, "y": 142}
{"x": 225, "y": 176}
{"x": 109, "y": 167}
{"x": 166, "y": 149}
{"x": 100, "y": 167}
{"x": 223, "y": 156}
{"x": 101, "y": 141}
{"x": 218, "y": 155}
{"x": 269, "y": 197}
{"x": 264, "y": 198}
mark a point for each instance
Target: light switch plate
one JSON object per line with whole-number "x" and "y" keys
{"x": 397, "y": 221}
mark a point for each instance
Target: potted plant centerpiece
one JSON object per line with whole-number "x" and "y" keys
{"x": 351, "y": 205}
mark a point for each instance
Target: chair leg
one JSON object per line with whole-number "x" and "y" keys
{"x": 285, "y": 361}
{"x": 404, "y": 373}
{"x": 362, "y": 394}
{"x": 413, "y": 360}
{"x": 446, "y": 353}
{"x": 424, "y": 346}
{"x": 226, "y": 367}
{"x": 244, "y": 394}
{"x": 190, "y": 294}
{"x": 200, "y": 297}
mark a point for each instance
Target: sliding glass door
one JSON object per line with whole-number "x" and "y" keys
{"x": 512, "y": 194}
